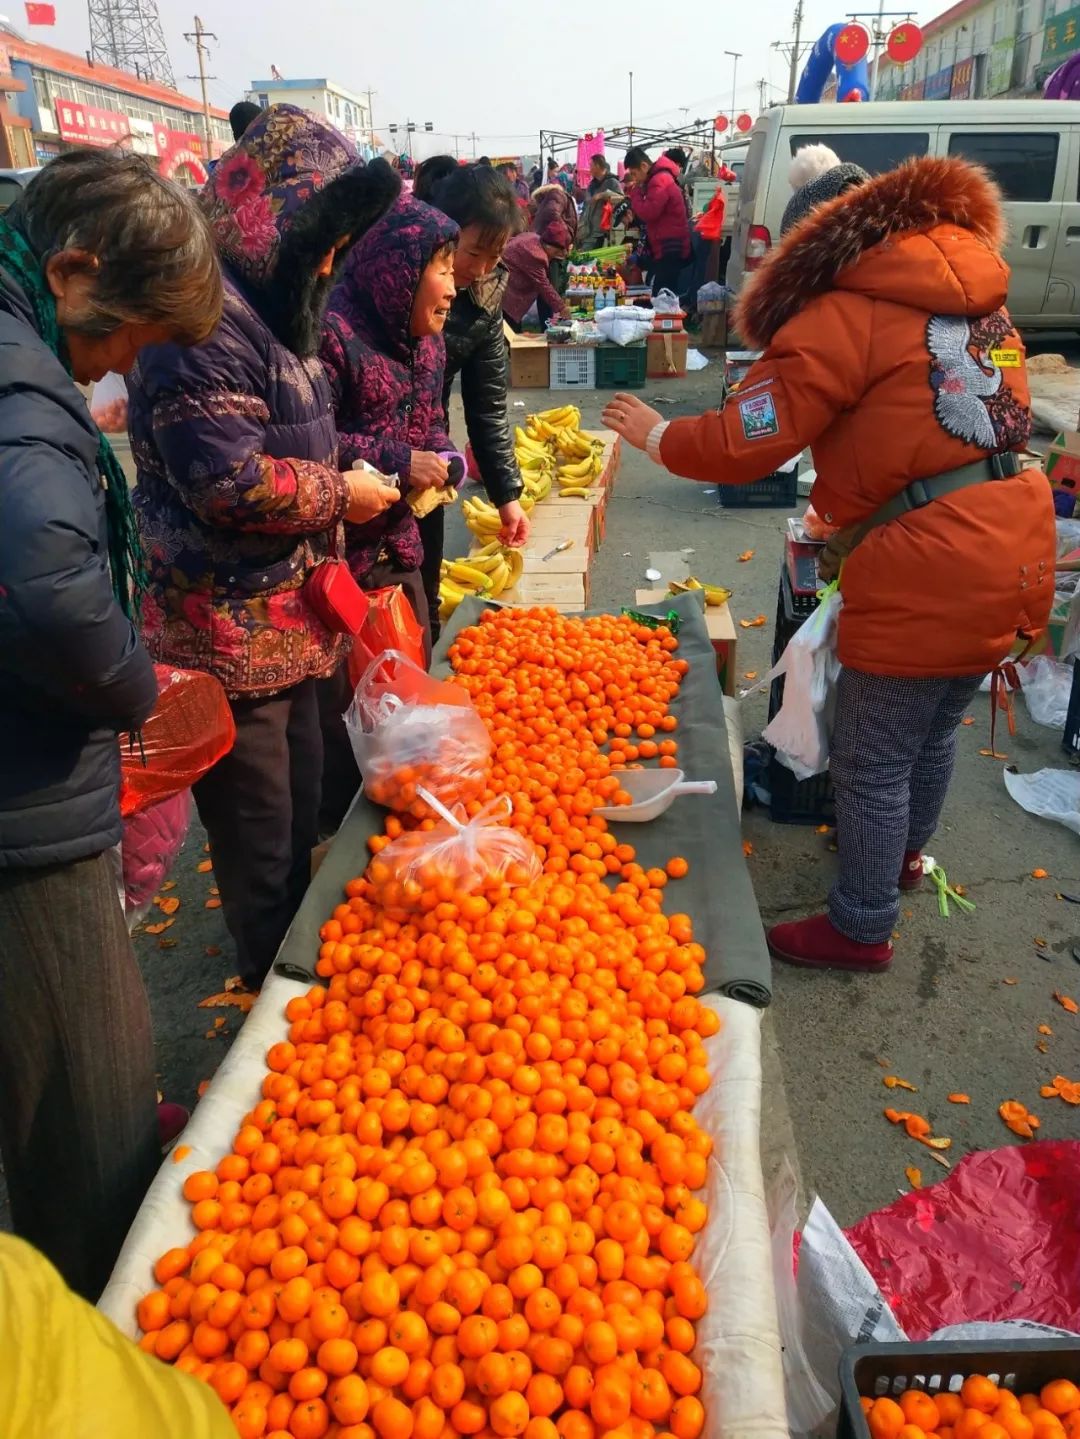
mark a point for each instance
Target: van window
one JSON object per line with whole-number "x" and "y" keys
{"x": 1023, "y": 165}
{"x": 10, "y": 190}
{"x": 874, "y": 150}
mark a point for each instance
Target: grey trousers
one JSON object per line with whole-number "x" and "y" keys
{"x": 891, "y": 760}
{"x": 78, "y": 1105}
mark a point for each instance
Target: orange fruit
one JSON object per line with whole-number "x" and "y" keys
{"x": 919, "y": 1409}
{"x": 978, "y": 1392}
{"x": 885, "y": 1419}
{"x": 1060, "y": 1397}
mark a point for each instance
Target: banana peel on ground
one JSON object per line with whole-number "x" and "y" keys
{"x": 715, "y": 595}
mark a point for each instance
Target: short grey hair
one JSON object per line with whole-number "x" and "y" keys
{"x": 155, "y": 259}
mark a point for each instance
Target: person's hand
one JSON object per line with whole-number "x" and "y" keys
{"x": 427, "y": 471}
{"x": 369, "y": 495}
{"x": 630, "y": 417}
{"x": 515, "y": 525}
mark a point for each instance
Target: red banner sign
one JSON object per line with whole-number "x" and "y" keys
{"x": 962, "y": 76}
{"x": 86, "y": 125}
{"x": 180, "y": 155}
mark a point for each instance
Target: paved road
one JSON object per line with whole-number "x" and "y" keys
{"x": 944, "y": 1018}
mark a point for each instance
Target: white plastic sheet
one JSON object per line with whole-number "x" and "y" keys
{"x": 1049, "y": 793}
{"x": 738, "y": 1338}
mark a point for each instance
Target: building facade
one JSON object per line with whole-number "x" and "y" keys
{"x": 982, "y": 49}
{"x": 346, "y": 111}
{"x": 67, "y": 101}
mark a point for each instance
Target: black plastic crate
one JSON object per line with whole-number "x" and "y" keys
{"x": 778, "y": 491}
{"x": 1070, "y": 740}
{"x": 875, "y": 1370}
{"x": 621, "y": 367}
{"x": 794, "y": 801}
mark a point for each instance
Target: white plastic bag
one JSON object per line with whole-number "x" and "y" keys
{"x": 695, "y": 360}
{"x": 109, "y": 404}
{"x": 624, "y": 324}
{"x": 1047, "y": 685}
{"x": 409, "y": 730}
{"x": 800, "y": 730}
{"x": 1049, "y": 793}
{"x": 667, "y": 303}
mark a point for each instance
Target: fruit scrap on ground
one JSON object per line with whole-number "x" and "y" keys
{"x": 913, "y": 1176}
{"x": 917, "y": 1128}
{"x": 1066, "y": 1089}
{"x": 1018, "y": 1119}
{"x": 467, "y": 1201}
{"x": 1066, "y": 1002}
{"x": 754, "y": 624}
{"x": 891, "y": 1081}
{"x": 959, "y": 1098}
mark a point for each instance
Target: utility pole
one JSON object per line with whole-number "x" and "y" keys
{"x": 631, "y": 109}
{"x": 472, "y": 137}
{"x": 197, "y": 37}
{"x": 736, "y": 56}
{"x": 793, "y": 72}
{"x": 371, "y": 119}
{"x": 762, "y": 86}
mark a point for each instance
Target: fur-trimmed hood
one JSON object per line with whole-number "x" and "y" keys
{"x": 927, "y": 234}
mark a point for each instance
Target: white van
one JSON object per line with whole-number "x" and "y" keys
{"x": 1031, "y": 147}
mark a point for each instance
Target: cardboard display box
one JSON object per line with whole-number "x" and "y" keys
{"x": 557, "y": 520}
{"x": 529, "y": 365}
{"x": 564, "y": 592}
{"x": 667, "y": 356}
{"x": 1062, "y": 462}
{"x": 721, "y": 630}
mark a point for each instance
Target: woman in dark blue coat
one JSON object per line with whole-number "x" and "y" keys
{"x": 98, "y": 258}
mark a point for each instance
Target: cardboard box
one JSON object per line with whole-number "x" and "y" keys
{"x": 721, "y": 630}
{"x": 529, "y": 365}
{"x": 556, "y": 520}
{"x": 666, "y": 357}
{"x": 565, "y": 592}
{"x": 1062, "y": 462}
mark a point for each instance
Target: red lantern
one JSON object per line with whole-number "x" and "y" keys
{"x": 721, "y": 123}
{"x": 744, "y": 123}
{"x": 851, "y": 45}
{"x": 904, "y": 42}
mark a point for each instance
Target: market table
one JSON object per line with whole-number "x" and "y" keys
{"x": 738, "y": 1338}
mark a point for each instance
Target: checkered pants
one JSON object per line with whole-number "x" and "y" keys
{"x": 891, "y": 759}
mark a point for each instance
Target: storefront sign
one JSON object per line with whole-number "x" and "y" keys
{"x": 963, "y": 76}
{"x": 937, "y": 86}
{"x": 1061, "y": 35}
{"x": 999, "y": 66}
{"x": 180, "y": 155}
{"x": 913, "y": 91}
{"x": 86, "y": 125}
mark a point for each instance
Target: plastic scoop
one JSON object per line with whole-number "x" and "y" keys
{"x": 652, "y": 792}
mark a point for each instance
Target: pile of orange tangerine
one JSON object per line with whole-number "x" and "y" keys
{"x": 980, "y": 1408}
{"x": 466, "y": 1203}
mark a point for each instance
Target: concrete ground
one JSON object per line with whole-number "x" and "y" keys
{"x": 945, "y": 1018}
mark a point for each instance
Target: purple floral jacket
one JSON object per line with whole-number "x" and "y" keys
{"x": 387, "y": 386}
{"x": 239, "y": 495}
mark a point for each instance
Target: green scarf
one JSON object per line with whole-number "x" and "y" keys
{"x": 129, "y": 578}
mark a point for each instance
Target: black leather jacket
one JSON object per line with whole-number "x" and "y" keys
{"x": 476, "y": 349}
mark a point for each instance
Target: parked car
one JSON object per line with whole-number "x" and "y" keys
{"x": 1031, "y": 147}
{"x": 12, "y": 184}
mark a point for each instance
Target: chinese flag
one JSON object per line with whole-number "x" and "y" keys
{"x": 40, "y": 14}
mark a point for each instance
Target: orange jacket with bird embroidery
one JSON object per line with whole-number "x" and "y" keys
{"x": 888, "y": 350}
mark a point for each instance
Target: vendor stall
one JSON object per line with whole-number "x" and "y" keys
{"x": 738, "y": 1346}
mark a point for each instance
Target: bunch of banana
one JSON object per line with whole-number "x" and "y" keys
{"x": 547, "y": 424}
{"x": 486, "y": 572}
{"x": 537, "y": 487}
{"x": 575, "y": 479}
{"x": 483, "y": 519}
{"x": 714, "y": 594}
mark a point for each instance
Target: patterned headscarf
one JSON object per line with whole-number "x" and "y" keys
{"x": 261, "y": 186}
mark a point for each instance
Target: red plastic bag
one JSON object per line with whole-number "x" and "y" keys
{"x": 390, "y": 624}
{"x": 999, "y": 1238}
{"x": 189, "y": 731}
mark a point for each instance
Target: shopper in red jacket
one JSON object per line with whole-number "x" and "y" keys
{"x": 656, "y": 198}
{"x": 527, "y": 257}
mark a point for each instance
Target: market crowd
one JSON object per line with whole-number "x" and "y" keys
{"x": 289, "y": 338}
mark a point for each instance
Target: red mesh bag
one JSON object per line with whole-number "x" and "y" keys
{"x": 190, "y": 729}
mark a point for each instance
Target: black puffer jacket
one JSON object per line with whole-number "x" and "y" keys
{"x": 476, "y": 349}
{"x": 72, "y": 672}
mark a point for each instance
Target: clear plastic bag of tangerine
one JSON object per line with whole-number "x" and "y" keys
{"x": 412, "y": 732}
{"x": 458, "y": 856}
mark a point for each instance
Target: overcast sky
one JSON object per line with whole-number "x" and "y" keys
{"x": 504, "y": 70}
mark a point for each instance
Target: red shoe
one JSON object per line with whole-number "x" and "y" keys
{"x": 911, "y": 871}
{"x": 172, "y": 1120}
{"x": 816, "y": 944}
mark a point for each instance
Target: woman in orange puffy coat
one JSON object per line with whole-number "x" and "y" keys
{"x": 888, "y": 350}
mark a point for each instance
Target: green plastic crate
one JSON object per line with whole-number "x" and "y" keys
{"x": 621, "y": 367}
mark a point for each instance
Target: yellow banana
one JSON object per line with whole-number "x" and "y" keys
{"x": 516, "y": 562}
{"x": 469, "y": 577}
{"x": 500, "y": 579}
{"x": 575, "y": 492}
{"x": 575, "y": 471}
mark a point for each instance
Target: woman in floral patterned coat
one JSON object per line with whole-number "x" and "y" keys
{"x": 240, "y": 497}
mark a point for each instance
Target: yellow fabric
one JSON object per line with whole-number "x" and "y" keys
{"x": 66, "y": 1372}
